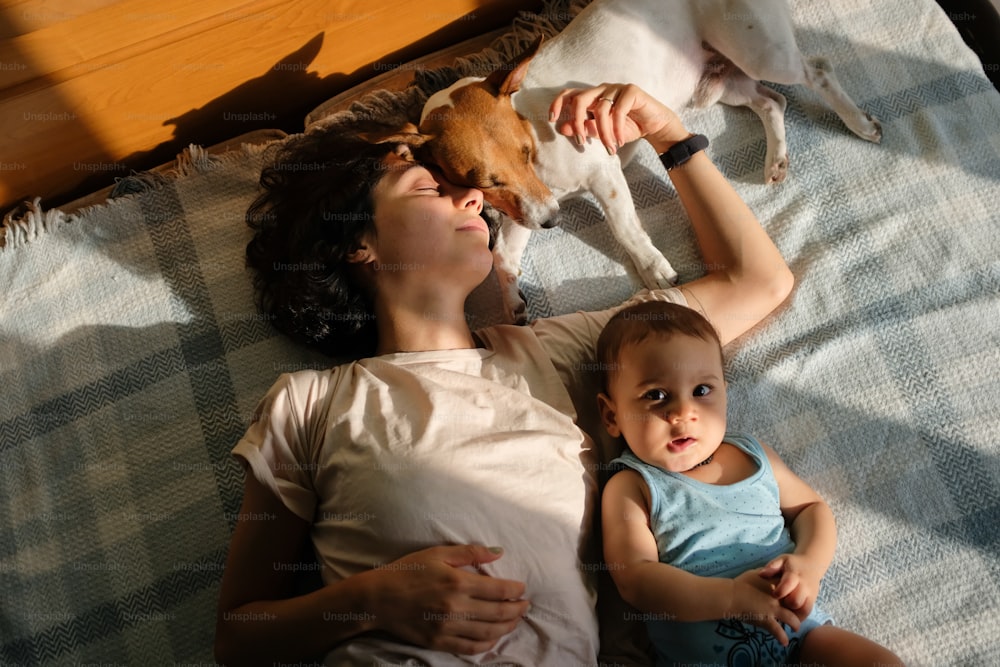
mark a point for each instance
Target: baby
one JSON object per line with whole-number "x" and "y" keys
{"x": 707, "y": 531}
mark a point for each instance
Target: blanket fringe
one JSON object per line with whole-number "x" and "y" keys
{"x": 394, "y": 108}
{"x": 527, "y": 26}
{"x": 135, "y": 183}
{"x": 27, "y": 222}
{"x": 194, "y": 160}
{"x": 191, "y": 161}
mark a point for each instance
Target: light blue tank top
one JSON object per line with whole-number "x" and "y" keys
{"x": 715, "y": 530}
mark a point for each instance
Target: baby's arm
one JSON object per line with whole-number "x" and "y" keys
{"x": 651, "y": 586}
{"x": 814, "y": 531}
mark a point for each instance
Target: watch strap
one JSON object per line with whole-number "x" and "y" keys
{"x": 682, "y": 151}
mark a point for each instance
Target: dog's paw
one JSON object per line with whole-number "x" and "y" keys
{"x": 873, "y": 131}
{"x": 658, "y": 275}
{"x": 776, "y": 172}
{"x": 519, "y": 314}
{"x": 515, "y": 306}
{"x": 865, "y": 126}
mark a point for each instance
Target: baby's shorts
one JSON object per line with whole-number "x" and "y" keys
{"x": 728, "y": 642}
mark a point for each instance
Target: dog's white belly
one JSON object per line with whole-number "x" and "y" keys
{"x": 653, "y": 44}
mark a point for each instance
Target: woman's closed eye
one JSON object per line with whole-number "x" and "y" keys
{"x": 423, "y": 179}
{"x": 427, "y": 184}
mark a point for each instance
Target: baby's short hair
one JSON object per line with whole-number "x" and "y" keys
{"x": 634, "y": 324}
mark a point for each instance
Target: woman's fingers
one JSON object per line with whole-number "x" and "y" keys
{"x": 473, "y": 625}
{"x": 435, "y": 601}
{"x": 605, "y": 124}
{"x": 577, "y": 112}
{"x": 615, "y": 113}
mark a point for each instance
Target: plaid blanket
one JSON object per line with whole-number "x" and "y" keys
{"x": 132, "y": 358}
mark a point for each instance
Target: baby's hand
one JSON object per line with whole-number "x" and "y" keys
{"x": 794, "y": 581}
{"x": 753, "y": 603}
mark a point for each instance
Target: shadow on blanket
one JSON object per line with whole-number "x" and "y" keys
{"x": 132, "y": 358}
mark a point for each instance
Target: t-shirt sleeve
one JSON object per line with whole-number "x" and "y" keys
{"x": 277, "y": 447}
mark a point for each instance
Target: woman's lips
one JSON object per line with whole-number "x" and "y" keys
{"x": 476, "y": 224}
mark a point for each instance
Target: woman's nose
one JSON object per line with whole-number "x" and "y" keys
{"x": 472, "y": 198}
{"x": 466, "y": 197}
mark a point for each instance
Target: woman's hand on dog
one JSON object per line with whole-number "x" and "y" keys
{"x": 617, "y": 114}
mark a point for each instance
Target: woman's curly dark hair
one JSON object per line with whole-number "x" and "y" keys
{"x": 315, "y": 207}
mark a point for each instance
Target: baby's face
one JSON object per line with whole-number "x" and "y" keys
{"x": 668, "y": 400}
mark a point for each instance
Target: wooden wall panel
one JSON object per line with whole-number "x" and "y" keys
{"x": 90, "y": 89}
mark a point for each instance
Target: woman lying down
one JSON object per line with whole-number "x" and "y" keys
{"x": 441, "y": 478}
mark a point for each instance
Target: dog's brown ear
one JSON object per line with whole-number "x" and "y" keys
{"x": 507, "y": 80}
{"x": 409, "y": 134}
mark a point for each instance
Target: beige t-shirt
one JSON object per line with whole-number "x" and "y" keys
{"x": 392, "y": 454}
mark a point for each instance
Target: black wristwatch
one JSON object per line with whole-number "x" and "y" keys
{"x": 682, "y": 151}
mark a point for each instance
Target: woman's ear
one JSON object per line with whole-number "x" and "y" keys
{"x": 405, "y": 152}
{"x": 606, "y": 406}
{"x": 362, "y": 254}
{"x": 360, "y": 266}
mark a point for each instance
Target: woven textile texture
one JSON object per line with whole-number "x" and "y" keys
{"x": 132, "y": 358}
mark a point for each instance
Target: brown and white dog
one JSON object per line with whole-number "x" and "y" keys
{"x": 494, "y": 133}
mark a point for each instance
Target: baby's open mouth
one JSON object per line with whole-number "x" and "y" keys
{"x": 677, "y": 444}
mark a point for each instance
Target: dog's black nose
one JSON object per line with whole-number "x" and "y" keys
{"x": 551, "y": 222}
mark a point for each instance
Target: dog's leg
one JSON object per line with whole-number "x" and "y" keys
{"x": 511, "y": 241}
{"x": 740, "y": 90}
{"x": 820, "y": 79}
{"x": 758, "y": 38}
{"x": 611, "y": 190}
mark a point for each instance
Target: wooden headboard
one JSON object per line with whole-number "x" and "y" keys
{"x": 94, "y": 89}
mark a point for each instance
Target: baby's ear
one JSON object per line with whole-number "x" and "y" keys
{"x": 606, "y": 406}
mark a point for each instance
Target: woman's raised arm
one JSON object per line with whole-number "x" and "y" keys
{"x": 745, "y": 276}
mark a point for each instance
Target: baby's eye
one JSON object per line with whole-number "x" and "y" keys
{"x": 655, "y": 395}
{"x": 702, "y": 390}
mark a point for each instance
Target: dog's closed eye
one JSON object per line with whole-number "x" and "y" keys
{"x": 480, "y": 182}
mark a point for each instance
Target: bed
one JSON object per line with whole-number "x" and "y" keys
{"x": 132, "y": 356}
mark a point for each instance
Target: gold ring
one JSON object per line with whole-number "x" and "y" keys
{"x": 608, "y": 99}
